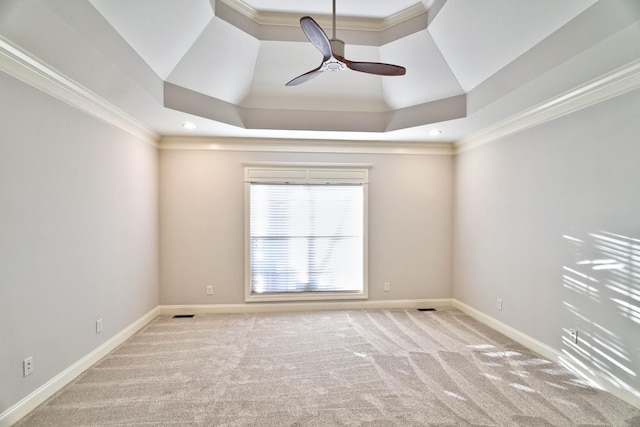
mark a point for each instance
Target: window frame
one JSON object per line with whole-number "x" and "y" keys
{"x": 305, "y": 173}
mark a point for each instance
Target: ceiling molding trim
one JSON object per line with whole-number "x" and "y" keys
{"x": 610, "y": 85}
{"x": 34, "y": 72}
{"x": 326, "y": 21}
{"x": 403, "y": 16}
{"x": 242, "y": 8}
{"x": 305, "y": 146}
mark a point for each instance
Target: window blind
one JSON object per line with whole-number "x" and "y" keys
{"x": 306, "y": 238}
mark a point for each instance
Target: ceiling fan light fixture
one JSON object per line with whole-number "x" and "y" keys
{"x": 332, "y": 51}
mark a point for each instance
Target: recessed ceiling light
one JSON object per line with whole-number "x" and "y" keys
{"x": 435, "y": 132}
{"x": 189, "y": 125}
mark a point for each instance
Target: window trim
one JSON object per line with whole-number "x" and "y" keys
{"x": 305, "y": 173}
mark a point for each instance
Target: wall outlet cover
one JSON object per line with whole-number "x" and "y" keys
{"x": 27, "y": 366}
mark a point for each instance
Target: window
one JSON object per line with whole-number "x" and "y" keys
{"x": 306, "y": 233}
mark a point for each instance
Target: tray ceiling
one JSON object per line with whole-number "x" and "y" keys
{"x": 224, "y": 63}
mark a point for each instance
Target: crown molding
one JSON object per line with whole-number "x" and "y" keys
{"x": 305, "y": 146}
{"x": 326, "y": 21}
{"x": 29, "y": 69}
{"x": 620, "y": 81}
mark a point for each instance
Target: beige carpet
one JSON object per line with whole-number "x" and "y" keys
{"x": 354, "y": 368}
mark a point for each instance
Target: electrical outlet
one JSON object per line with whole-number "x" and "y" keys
{"x": 387, "y": 285}
{"x": 98, "y": 326}
{"x": 209, "y": 290}
{"x": 499, "y": 304}
{"x": 27, "y": 366}
{"x": 573, "y": 334}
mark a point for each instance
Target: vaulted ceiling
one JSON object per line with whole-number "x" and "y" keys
{"x": 223, "y": 64}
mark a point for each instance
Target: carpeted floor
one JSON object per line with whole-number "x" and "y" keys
{"x": 354, "y": 368}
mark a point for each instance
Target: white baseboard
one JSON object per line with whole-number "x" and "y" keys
{"x": 531, "y": 343}
{"x": 29, "y": 403}
{"x": 596, "y": 379}
{"x": 304, "y": 306}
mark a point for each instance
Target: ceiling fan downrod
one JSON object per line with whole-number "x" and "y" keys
{"x": 334, "y": 19}
{"x": 337, "y": 45}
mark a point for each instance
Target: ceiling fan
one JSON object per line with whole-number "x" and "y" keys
{"x": 333, "y": 54}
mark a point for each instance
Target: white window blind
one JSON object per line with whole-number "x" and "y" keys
{"x": 306, "y": 238}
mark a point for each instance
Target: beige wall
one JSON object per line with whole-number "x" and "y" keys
{"x": 78, "y": 235}
{"x": 533, "y": 211}
{"x": 202, "y": 223}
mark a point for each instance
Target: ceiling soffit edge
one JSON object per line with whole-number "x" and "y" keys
{"x": 276, "y": 26}
{"x": 188, "y": 101}
{"x": 441, "y": 110}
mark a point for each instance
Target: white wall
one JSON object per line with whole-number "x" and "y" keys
{"x": 532, "y": 210}
{"x": 202, "y": 223}
{"x": 78, "y": 235}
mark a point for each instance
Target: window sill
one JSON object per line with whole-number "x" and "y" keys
{"x": 306, "y": 296}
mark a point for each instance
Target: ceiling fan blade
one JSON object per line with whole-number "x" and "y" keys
{"x": 375, "y": 67}
{"x": 305, "y": 77}
{"x": 316, "y": 36}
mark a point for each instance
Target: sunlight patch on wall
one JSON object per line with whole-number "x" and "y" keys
{"x": 602, "y": 280}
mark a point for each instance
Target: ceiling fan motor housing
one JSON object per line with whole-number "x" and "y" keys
{"x": 337, "y": 48}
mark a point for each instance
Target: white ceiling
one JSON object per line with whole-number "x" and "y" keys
{"x": 223, "y": 64}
